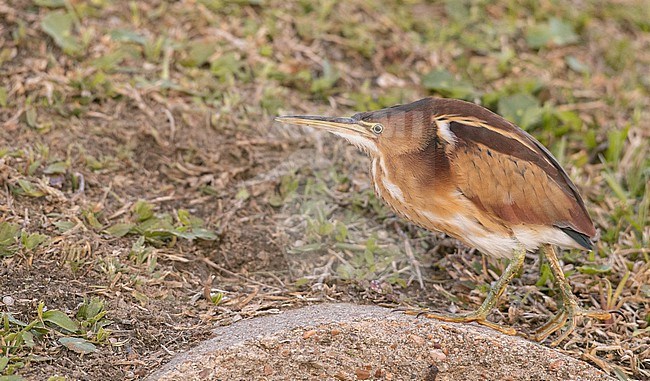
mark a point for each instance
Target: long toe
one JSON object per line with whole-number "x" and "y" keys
{"x": 497, "y": 327}
{"x": 555, "y": 324}
{"x": 566, "y": 320}
{"x": 595, "y": 314}
{"x": 465, "y": 318}
{"x": 570, "y": 327}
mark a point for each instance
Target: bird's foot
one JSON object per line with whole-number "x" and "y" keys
{"x": 567, "y": 318}
{"x": 476, "y": 316}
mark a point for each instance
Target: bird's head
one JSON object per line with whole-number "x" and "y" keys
{"x": 391, "y": 131}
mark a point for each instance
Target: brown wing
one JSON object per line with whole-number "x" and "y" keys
{"x": 509, "y": 174}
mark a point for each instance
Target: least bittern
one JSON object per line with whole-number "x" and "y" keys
{"x": 456, "y": 167}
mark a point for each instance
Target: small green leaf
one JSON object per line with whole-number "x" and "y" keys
{"x": 186, "y": 219}
{"x": 216, "y": 298}
{"x": 78, "y": 345}
{"x": 242, "y": 194}
{"x": 143, "y": 210}
{"x": 3, "y": 362}
{"x": 31, "y": 241}
{"x": 226, "y": 66}
{"x": 157, "y": 227}
{"x": 443, "y": 82}
{"x": 204, "y": 234}
{"x": 538, "y": 36}
{"x": 10, "y": 319}
{"x": 90, "y": 308}
{"x": 110, "y": 61}
{"x": 31, "y": 117}
{"x": 123, "y": 35}
{"x": 8, "y": 233}
{"x": 569, "y": 119}
{"x": 33, "y": 167}
{"x": 58, "y": 25}
{"x": 595, "y": 269}
{"x": 576, "y": 65}
{"x": 56, "y": 168}
{"x": 199, "y": 53}
{"x": 28, "y": 188}
{"x": 120, "y": 230}
{"x": 28, "y": 339}
{"x": 92, "y": 219}
{"x": 522, "y": 109}
{"x": 184, "y": 216}
{"x": 562, "y": 33}
{"x": 555, "y": 32}
{"x": 60, "y": 319}
{"x": 64, "y": 226}
{"x": 40, "y": 308}
{"x": 138, "y": 247}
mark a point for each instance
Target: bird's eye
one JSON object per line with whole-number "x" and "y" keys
{"x": 377, "y": 128}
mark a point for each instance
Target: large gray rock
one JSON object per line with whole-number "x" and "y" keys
{"x": 348, "y": 342}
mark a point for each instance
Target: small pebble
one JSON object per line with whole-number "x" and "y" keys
{"x": 308, "y": 334}
{"x": 555, "y": 365}
{"x": 437, "y": 355}
{"x": 362, "y": 374}
{"x": 269, "y": 342}
{"x": 205, "y": 373}
{"x": 341, "y": 376}
{"x": 8, "y": 300}
{"x": 416, "y": 339}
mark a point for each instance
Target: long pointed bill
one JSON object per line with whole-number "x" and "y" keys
{"x": 343, "y": 126}
{"x": 354, "y": 131}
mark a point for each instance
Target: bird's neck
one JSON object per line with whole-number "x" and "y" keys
{"x": 409, "y": 182}
{"x": 415, "y": 172}
{"x": 387, "y": 185}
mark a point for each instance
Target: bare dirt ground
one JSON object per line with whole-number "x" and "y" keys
{"x": 148, "y": 197}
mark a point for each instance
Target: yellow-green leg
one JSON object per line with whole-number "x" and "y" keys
{"x": 492, "y": 299}
{"x": 570, "y": 310}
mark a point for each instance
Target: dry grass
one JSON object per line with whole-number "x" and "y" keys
{"x": 104, "y": 104}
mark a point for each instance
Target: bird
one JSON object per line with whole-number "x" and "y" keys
{"x": 456, "y": 167}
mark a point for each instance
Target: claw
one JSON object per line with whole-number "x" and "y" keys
{"x": 416, "y": 313}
